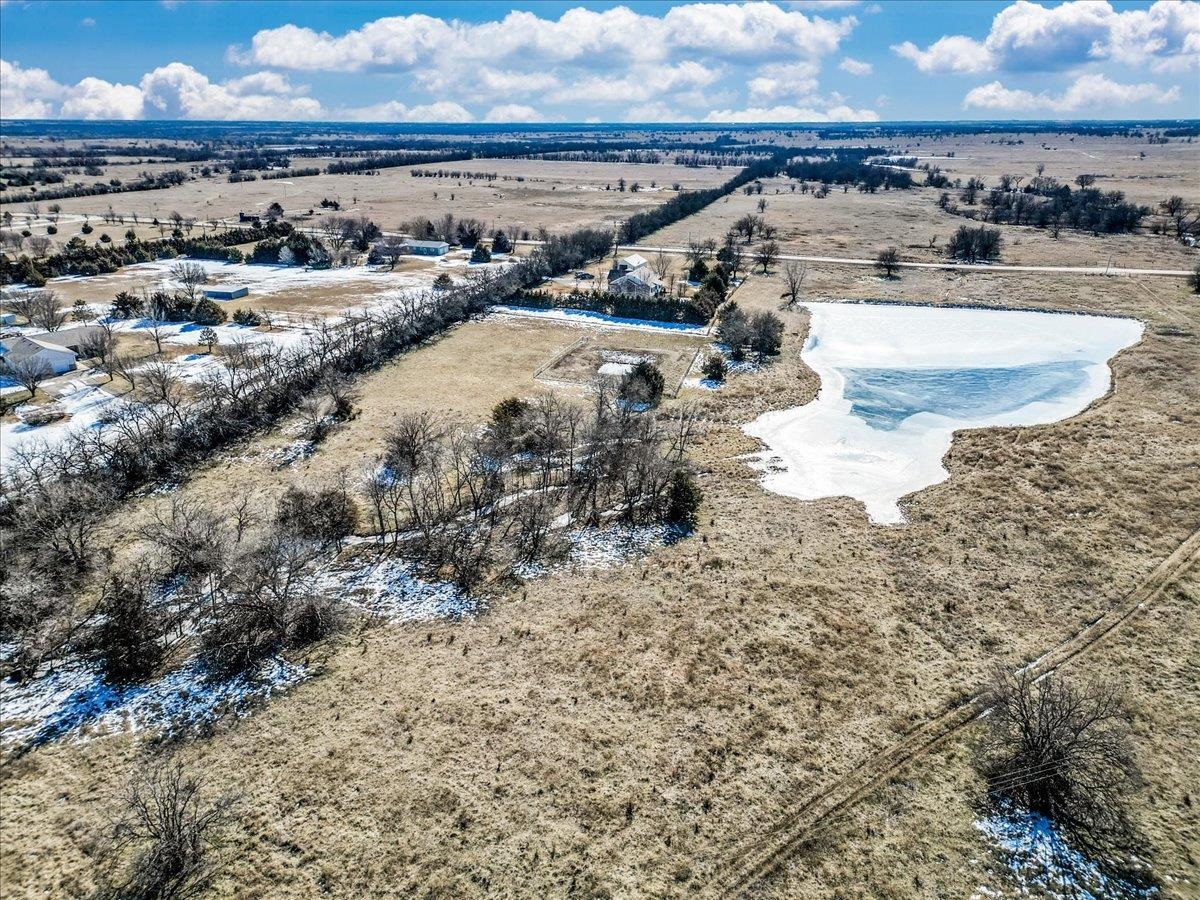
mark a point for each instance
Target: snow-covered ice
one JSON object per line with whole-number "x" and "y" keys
{"x": 897, "y": 381}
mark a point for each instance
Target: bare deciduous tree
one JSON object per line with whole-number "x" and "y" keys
{"x": 767, "y": 255}
{"x": 44, "y": 310}
{"x": 660, "y": 265}
{"x": 888, "y": 261}
{"x": 1061, "y": 749}
{"x": 164, "y": 839}
{"x": 794, "y": 275}
{"x": 191, "y": 277}
{"x": 28, "y": 372}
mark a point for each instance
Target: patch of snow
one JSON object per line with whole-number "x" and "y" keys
{"x": 1042, "y": 862}
{"x": 270, "y": 279}
{"x": 293, "y": 453}
{"x": 73, "y": 700}
{"x": 85, "y": 406}
{"x": 390, "y": 587}
{"x": 603, "y": 548}
{"x": 898, "y": 381}
{"x": 587, "y": 317}
{"x": 615, "y": 369}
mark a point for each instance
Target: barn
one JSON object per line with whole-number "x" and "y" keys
{"x": 226, "y": 292}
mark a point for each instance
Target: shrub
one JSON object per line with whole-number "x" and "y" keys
{"x": 766, "y": 334}
{"x": 87, "y": 229}
{"x": 325, "y": 515}
{"x": 129, "y": 638}
{"x": 207, "y": 312}
{"x": 163, "y": 839}
{"x": 51, "y": 229}
{"x": 1074, "y": 737}
{"x": 443, "y": 281}
{"x": 643, "y": 384}
{"x": 683, "y": 498}
{"x": 105, "y": 239}
{"x": 246, "y": 317}
{"x": 733, "y": 328}
{"x": 480, "y": 254}
{"x": 125, "y": 306}
{"x": 1194, "y": 279}
{"x": 501, "y": 243}
{"x": 715, "y": 368}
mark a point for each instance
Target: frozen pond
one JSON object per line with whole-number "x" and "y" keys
{"x": 897, "y": 381}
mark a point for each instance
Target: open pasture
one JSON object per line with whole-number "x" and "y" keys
{"x": 853, "y": 224}
{"x": 526, "y": 195}
{"x": 713, "y": 685}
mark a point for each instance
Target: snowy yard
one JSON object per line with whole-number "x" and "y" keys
{"x": 898, "y": 381}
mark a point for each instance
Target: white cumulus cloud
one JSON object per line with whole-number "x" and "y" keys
{"x": 513, "y": 112}
{"x": 955, "y": 53}
{"x": 94, "y": 98}
{"x": 792, "y": 114}
{"x": 395, "y": 111}
{"x": 855, "y": 66}
{"x": 754, "y": 30}
{"x": 174, "y": 91}
{"x": 1088, "y": 92}
{"x": 1026, "y": 36}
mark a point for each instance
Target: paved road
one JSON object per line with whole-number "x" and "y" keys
{"x": 966, "y": 267}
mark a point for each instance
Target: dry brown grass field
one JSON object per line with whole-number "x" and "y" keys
{"x": 617, "y": 733}
{"x": 583, "y": 361}
{"x": 856, "y": 224}
{"x": 557, "y": 195}
{"x": 712, "y": 684}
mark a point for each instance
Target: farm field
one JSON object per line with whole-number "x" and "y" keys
{"x": 527, "y": 195}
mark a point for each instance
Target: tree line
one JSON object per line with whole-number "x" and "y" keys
{"x": 1047, "y": 203}
{"x": 78, "y": 257}
{"x": 849, "y": 166}
{"x": 687, "y": 203}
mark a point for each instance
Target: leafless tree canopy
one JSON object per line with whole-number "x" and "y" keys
{"x": 794, "y": 275}
{"x": 1061, "y": 749}
{"x": 191, "y": 276}
{"x": 41, "y": 308}
{"x": 165, "y": 838}
{"x": 28, "y": 372}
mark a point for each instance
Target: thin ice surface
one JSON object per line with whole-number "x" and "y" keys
{"x": 897, "y": 381}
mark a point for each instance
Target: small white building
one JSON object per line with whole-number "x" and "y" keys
{"x": 630, "y": 263}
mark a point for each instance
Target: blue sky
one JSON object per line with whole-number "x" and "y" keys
{"x": 805, "y": 60}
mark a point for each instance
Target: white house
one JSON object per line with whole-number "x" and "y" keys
{"x": 640, "y": 282}
{"x": 36, "y": 351}
{"x": 426, "y": 248}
